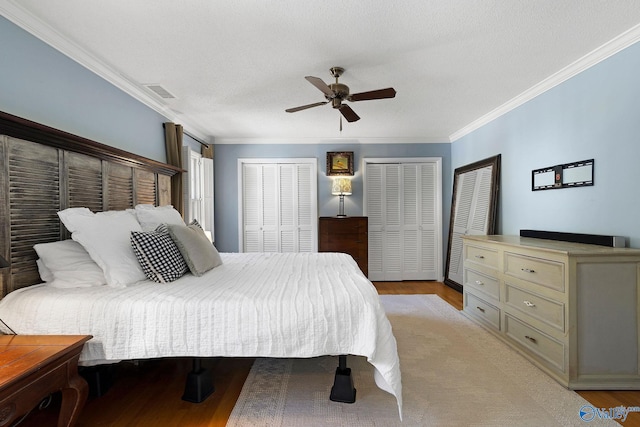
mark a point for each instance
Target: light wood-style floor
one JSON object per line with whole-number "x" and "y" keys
{"x": 149, "y": 393}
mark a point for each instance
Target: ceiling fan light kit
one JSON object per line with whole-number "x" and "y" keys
{"x": 336, "y": 93}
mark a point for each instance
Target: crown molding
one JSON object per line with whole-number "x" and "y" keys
{"x": 15, "y": 13}
{"x": 596, "y": 56}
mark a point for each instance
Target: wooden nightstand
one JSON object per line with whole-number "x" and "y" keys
{"x": 348, "y": 235}
{"x": 34, "y": 366}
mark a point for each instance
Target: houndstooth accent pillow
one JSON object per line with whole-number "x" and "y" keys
{"x": 158, "y": 255}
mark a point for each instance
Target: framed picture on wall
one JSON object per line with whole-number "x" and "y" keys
{"x": 340, "y": 163}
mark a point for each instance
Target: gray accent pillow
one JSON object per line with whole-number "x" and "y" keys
{"x": 196, "y": 249}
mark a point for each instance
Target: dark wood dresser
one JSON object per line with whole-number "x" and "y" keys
{"x": 348, "y": 235}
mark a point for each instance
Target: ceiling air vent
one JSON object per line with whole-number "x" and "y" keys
{"x": 160, "y": 91}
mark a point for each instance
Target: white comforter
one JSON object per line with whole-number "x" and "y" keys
{"x": 254, "y": 305}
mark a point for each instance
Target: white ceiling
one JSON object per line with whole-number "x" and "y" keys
{"x": 235, "y": 66}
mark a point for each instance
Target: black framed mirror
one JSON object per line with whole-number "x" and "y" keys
{"x": 473, "y": 211}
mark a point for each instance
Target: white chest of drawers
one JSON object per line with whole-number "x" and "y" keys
{"x": 571, "y": 309}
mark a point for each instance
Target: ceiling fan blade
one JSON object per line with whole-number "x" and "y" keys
{"x": 320, "y": 84}
{"x": 348, "y": 113}
{"x": 304, "y": 107}
{"x": 373, "y": 94}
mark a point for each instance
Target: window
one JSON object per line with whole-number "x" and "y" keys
{"x": 198, "y": 190}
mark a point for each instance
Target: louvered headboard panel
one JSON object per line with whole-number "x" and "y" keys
{"x": 84, "y": 183}
{"x": 43, "y": 171}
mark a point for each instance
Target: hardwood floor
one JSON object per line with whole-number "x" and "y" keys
{"x": 149, "y": 393}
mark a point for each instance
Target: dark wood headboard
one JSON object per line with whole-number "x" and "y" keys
{"x": 44, "y": 170}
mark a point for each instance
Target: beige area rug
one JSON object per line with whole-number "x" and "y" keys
{"x": 454, "y": 373}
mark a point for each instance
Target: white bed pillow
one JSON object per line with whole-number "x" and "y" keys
{"x": 45, "y": 274}
{"x": 196, "y": 249}
{"x": 150, "y": 217}
{"x": 105, "y": 236}
{"x": 68, "y": 265}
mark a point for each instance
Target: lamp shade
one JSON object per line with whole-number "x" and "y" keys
{"x": 341, "y": 187}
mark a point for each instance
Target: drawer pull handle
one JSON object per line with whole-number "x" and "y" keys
{"x": 479, "y": 283}
{"x": 528, "y": 303}
{"x": 532, "y": 339}
{"x": 480, "y": 308}
{"x": 528, "y": 270}
{"x": 479, "y": 256}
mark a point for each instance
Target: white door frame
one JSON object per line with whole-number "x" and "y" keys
{"x": 410, "y": 160}
{"x": 312, "y": 161}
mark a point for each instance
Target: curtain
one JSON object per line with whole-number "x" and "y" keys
{"x": 207, "y": 151}
{"x": 173, "y": 143}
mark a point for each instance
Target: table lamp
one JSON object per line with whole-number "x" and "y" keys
{"x": 341, "y": 187}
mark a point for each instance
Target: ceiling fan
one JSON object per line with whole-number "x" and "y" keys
{"x": 336, "y": 93}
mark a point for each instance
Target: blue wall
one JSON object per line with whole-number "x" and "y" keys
{"x": 40, "y": 84}
{"x": 226, "y": 178}
{"x": 596, "y": 114}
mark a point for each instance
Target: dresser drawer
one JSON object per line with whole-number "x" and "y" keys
{"x": 541, "y": 271}
{"x": 480, "y": 255}
{"x": 340, "y": 226}
{"x": 544, "y": 309}
{"x": 351, "y": 245}
{"x": 550, "y": 351}
{"x": 482, "y": 310}
{"x": 483, "y": 282}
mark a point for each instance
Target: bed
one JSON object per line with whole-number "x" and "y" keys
{"x": 251, "y": 305}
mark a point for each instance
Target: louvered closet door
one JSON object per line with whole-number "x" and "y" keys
{"x": 392, "y": 229}
{"x": 419, "y": 228}
{"x": 471, "y": 214}
{"x": 384, "y": 212}
{"x": 307, "y": 208}
{"x": 402, "y": 208}
{"x": 375, "y": 201}
{"x": 260, "y": 208}
{"x": 279, "y": 208}
{"x": 296, "y": 218}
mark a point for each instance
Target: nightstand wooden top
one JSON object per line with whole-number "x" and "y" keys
{"x": 23, "y": 354}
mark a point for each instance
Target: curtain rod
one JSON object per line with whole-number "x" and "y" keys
{"x": 195, "y": 138}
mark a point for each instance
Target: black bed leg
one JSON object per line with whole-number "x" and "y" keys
{"x": 99, "y": 378}
{"x": 343, "y": 390}
{"x": 199, "y": 384}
